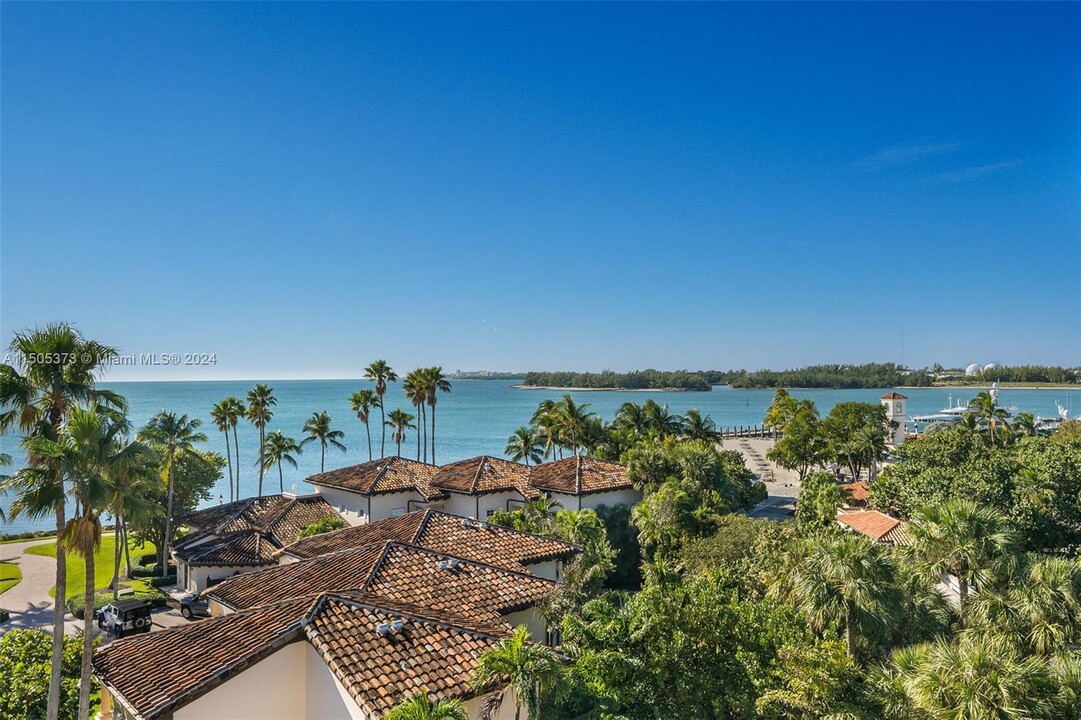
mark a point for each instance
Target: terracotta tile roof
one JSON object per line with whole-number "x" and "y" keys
{"x": 156, "y": 674}
{"x": 249, "y": 531}
{"x": 442, "y": 532}
{"x": 893, "y": 396}
{"x": 579, "y": 476}
{"x": 386, "y": 475}
{"x": 347, "y": 570}
{"x": 485, "y": 474}
{"x": 858, "y": 491}
{"x": 415, "y": 575}
{"x": 875, "y": 525}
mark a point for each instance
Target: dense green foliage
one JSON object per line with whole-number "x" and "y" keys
{"x": 870, "y": 375}
{"x": 1029, "y": 374}
{"x": 323, "y": 526}
{"x": 24, "y": 675}
{"x": 637, "y": 380}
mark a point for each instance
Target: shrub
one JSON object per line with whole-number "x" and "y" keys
{"x": 148, "y": 559}
{"x": 160, "y": 582}
{"x": 4, "y": 615}
{"x": 324, "y": 525}
{"x": 25, "y": 657}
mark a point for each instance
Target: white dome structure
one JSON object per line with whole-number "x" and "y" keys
{"x": 990, "y": 366}
{"x": 972, "y": 369}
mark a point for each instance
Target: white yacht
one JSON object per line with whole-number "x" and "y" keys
{"x": 949, "y": 414}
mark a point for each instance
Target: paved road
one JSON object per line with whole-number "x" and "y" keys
{"x": 782, "y": 485}
{"x": 29, "y": 602}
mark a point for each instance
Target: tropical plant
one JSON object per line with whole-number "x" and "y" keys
{"x": 130, "y": 480}
{"x": 318, "y": 429}
{"x": 524, "y": 446}
{"x": 1024, "y": 425}
{"x": 362, "y": 402}
{"x": 401, "y": 421}
{"x": 530, "y": 671}
{"x": 260, "y": 401}
{"x": 847, "y": 581}
{"x": 435, "y": 382}
{"x": 55, "y": 368}
{"x": 420, "y": 706}
{"x": 417, "y": 393}
{"x": 964, "y": 539}
{"x": 988, "y": 413}
{"x": 25, "y": 669}
{"x": 279, "y": 449}
{"x": 171, "y": 436}
{"x": 220, "y": 416}
{"x": 630, "y": 417}
{"x": 659, "y": 421}
{"x": 381, "y": 373}
{"x": 323, "y": 526}
{"x": 696, "y": 427}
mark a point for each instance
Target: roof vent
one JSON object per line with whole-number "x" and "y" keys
{"x": 466, "y": 522}
{"x": 397, "y": 626}
{"x": 449, "y": 564}
{"x": 383, "y": 629}
{"x": 482, "y": 525}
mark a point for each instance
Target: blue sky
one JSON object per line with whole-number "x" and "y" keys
{"x": 300, "y": 189}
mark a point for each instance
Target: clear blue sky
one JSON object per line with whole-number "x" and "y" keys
{"x": 303, "y": 188}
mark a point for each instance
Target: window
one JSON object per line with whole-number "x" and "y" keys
{"x": 397, "y": 511}
{"x": 489, "y": 512}
{"x": 553, "y": 637}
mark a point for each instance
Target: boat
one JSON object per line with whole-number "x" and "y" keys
{"x": 949, "y": 414}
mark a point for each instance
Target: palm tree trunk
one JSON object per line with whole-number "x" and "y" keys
{"x": 168, "y": 520}
{"x": 236, "y": 446}
{"x": 962, "y": 591}
{"x": 368, "y": 429}
{"x": 433, "y": 433}
{"x": 117, "y": 549}
{"x": 418, "y": 439}
{"x": 850, "y": 634}
{"x": 383, "y": 417}
{"x": 59, "y": 608}
{"x": 281, "y": 480}
{"x": 229, "y": 459}
{"x": 88, "y": 637}
{"x": 127, "y": 546}
{"x": 322, "y": 457}
{"x": 262, "y": 457}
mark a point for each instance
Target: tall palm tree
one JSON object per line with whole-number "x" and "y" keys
{"x": 280, "y": 448}
{"x": 416, "y": 390}
{"x": 234, "y": 410}
{"x": 630, "y": 417}
{"x": 987, "y": 411}
{"x": 260, "y": 400}
{"x": 869, "y": 442}
{"x": 401, "y": 421}
{"x": 573, "y": 420}
{"x": 130, "y": 481}
{"x": 545, "y": 422}
{"x": 525, "y": 446}
{"x": 696, "y": 427}
{"x": 435, "y": 382}
{"x": 318, "y": 429}
{"x": 171, "y": 436}
{"x": 362, "y": 402}
{"x": 1024, "y": 425}
{"x": 381, "y": 373}
{"x": 219, "y": 415}
{"x": 55, "y": 368}
{"x": 532, "y": 671}
{"x": 847, "y": 581}
{"x": 659, "y": 421}
{"x": 420, "y": 706}
{"x": 962, "y": 538}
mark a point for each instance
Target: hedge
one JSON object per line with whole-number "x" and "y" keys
{"x": 148, "y": 559}
{"x": 76, "y": 603}
{"x": 160, "y": 582}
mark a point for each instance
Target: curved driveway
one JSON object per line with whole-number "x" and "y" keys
{"x": 29, "y": 602}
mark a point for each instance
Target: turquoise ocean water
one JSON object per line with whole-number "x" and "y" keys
{"x": 474, "y": 419}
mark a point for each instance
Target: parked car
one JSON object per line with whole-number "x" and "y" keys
{"x": 194, "y": 606}
{"x": 125, "y": 616}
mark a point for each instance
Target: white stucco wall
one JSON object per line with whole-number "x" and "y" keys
{"x": 628, "y": 496}
{"x": 199, "y": 575}
{"x": 327, "y": 698}
{"x": 481, "y": 506}
{"x": 272, "y": 689}
{"x": 505, "y": 711}
{"x": 353, "y": 507}
{"x": 533, "y": 620}
{"x": 393, "y": 504}
{"x": 549, "y": 569}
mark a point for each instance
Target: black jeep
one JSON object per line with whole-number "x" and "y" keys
{"x": 125, "y": 616}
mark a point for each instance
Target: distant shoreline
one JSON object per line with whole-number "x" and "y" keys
{"x": 600, "y": 389}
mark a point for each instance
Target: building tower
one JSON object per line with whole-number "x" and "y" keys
{"x": 896, "y": 414}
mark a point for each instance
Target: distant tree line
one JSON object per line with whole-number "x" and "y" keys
{"x": 869, "y": 375}
{"x": 1030, "y": 374}
{"x": 637, "y": 380}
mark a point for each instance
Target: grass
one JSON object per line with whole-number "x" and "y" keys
{"x": 103, "y": 564}
{"x": 10, "y": 575}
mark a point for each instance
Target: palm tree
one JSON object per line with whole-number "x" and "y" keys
{"x": 36, "y": 396}
{"x": 524, "y": 446}
{"x": 869, "y": 442}
{"x": 281, "y": 448}
{"x": 847, "y": 581}
{"x": 362, "y": 402}
{"x": 401, "y": 421}
{"x": 532, "y": 671}
{"x": 171, "y": 436}
{"x": 697, "y": 427}
{"x": 659, "y": 421}
{"x": 318, "y": 428}
{"x": 129, "y": 480}
{"x": 219, "y": 415}
{"x": 545, "y": 422}
{"x": 979, "y": 677}
{"x": 260, "y": 400}
{"x": 234, "y": 410}
{"x": 435, "y": 382}
{"x": 987, "y": 411}
{"x": 961, "y": 538}
{"x": 381, "y": 373}
{"x": 416, "y": 390}
{"x": 1024, "y": 425}
{"x": 420, "y": 706}
{"x": 572, "y": 420}
{"x": 630, "y": 417}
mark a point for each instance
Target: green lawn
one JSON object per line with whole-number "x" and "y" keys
{"x": 103, "y": 564}
{"x": 10, "y": 575}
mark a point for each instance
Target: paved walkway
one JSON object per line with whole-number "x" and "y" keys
{"x": 782, "y": 486}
